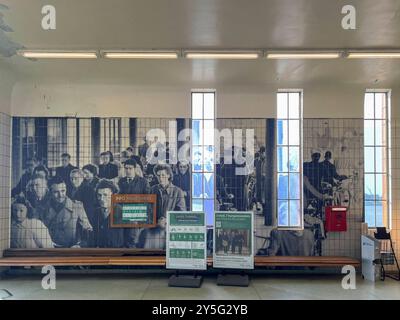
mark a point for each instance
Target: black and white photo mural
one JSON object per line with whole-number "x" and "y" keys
{"x": 332, "y": 176}
{"x": 65, "y": 171}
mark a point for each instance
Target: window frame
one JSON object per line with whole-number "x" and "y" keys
{"x": 387, "y": 216}
{"x": 300, "y": 170}
{"x": 202, "y": 145}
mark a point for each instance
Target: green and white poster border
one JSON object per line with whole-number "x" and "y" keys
{"x": 186, "y": 246}
{"x": 239, "y": 224}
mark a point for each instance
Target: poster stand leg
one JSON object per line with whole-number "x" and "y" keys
{"x": 238, "y": 280}
{"x": 185, "y": 281}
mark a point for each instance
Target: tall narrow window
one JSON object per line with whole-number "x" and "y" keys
{"x": 56, "y": 141}
{"x": 377, "y": 158}
{"x": 203, "y": 186}
{"x": 29, "y": 138}
{"x": 71, "y": 140}
{"x": 85, "y": 142}
{"x": 110, "y": 135}
{"x": 289, "y": 159}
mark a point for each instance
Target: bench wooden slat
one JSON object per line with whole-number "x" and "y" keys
{"x": 326, "y": 261}
{"x": 62, "y": 252}
{"x": 54, "y": 261}
{"x": 137, "y": 261}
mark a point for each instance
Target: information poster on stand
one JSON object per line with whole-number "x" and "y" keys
{"x": 233, "y": 240}
{"x": 186, "y": 240}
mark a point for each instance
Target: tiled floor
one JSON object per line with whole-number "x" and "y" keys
{"x": 155, "y": 286}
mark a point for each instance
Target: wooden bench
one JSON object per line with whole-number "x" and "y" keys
{"x": 295, "y": 261}
{"x": 143, "y": 258}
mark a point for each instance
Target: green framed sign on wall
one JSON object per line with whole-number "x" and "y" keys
{"x": 133, "y": 211}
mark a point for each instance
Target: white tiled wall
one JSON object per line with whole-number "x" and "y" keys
{"x": 159, "y": 127}
{"x": 258, "y": 125}
{"x": 344, "y": 138}
{"x": 260, "y": 132}
{"x": 5, "y": 123}
{"x": 396, "y": 184}
{"x": 341, "y": 136}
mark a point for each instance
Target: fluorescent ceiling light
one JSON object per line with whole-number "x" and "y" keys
{"x": 221, "y": 55}
{"x": 355, "y": 55}
{"x": 59, "y": 54}
{"x": 303, "y": 55}
{"x": 140, "y": 55}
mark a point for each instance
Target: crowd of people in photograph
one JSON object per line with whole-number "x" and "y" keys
{"x": 67, "y": 206}
{"x": 230, "y": 241}
{"x": 70, "y": 207}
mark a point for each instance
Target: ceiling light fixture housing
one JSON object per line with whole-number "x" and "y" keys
{"x": 140, "y": 54}
{"x": 227, "y": 55}
{"x": 373, "y": 55}
{"x": 36, "y": 54}
{"x": 303, "y": 55}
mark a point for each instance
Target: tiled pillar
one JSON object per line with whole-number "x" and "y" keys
{"x": 5, "y": 124}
